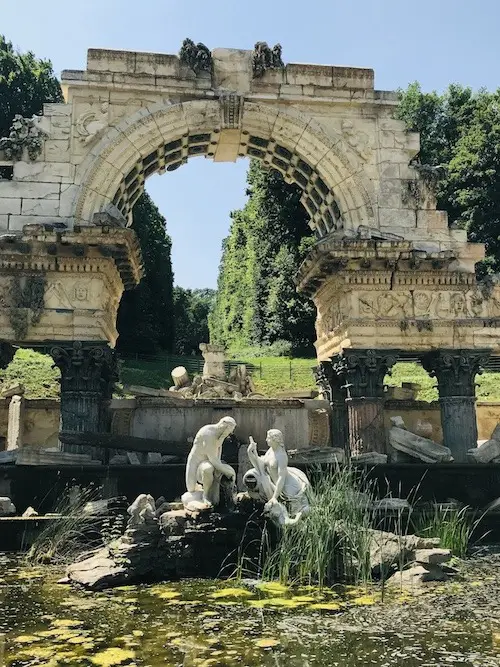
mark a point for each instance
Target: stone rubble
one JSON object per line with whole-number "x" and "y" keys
{"x": 7, "y": 507}
{"x": 489, "y": 451}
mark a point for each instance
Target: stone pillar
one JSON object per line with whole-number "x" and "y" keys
{"x": 88, "y": 374}
{"x": 332, "y": 387}
{"x": 362, "y": 373}
{"x": 214, "y": 356}
{"x": 456, "y": 371}
{"x": 15, "y": 426}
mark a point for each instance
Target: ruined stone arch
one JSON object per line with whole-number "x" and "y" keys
{"x": 161, "y": 138}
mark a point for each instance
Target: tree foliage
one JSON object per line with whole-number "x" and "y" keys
{"x": 26, "y": 83}
{"x": 460, "y": 132}
{"x": 146, "y": 313}
{"x": 257, "y": 303}
{"x": 191, "y": 309}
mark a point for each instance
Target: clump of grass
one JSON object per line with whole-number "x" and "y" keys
{"x": 333, "y": 542}
{"x": 452, "y": 525}
{"x": 74, "y": 534}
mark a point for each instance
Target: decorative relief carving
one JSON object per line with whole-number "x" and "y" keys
{"x": 265, "y": 58}
{"x": 444, "y": 304}
{"x": 91, "y": 124}
{"x": 24, "y": 133}
{"x": 195, "y": 56}
{"x": 359, "y": 141}
{"x": 231, "y": 110}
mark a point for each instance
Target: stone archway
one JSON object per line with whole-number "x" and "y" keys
{"x": 162, "y": 138}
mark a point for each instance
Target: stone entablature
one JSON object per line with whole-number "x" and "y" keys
{"x": 82, "y": 274}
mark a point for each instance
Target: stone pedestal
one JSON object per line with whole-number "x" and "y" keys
{"x": 88, "y": 373}
{"x": 332, "y": 387}
{"x": 456, "y": 371}
{"x": 214, "y": 356}
{"x": 362, "y": 374}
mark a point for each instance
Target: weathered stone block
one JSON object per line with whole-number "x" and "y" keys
{"x": 10, "y": 206}
{"x": 46, "y": 207}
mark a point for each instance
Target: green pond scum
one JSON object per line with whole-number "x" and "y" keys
{"x": 207, "y": 623}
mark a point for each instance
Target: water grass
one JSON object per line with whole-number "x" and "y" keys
{"x": 72, "y": 534}
{"x": 454, "y": 526}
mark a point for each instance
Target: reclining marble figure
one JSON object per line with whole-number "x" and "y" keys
{"x": 204, "y": 467}
{"x": 283, "y": 489}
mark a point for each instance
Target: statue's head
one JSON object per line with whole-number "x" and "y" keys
{"x": 226, "y": 425}
{"x": 275, "y": 438}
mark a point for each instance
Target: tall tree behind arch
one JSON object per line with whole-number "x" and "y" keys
{"x": 146, "y": 314}
{"x": 257, "y": 303}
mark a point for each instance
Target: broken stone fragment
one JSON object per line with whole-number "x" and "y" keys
{"x": 416, "y": 446}
{"x": 15, "y": 389}
{"x": 415, "y": 577}
{"x": 29, "y": 512}
{"x": 7, "y": 507}
{"x": 432, "y": 556}
{"x": 370, "y": 458}
{"x": 486, "y": 453}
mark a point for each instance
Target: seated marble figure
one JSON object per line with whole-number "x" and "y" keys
{"x": 283, "y": 489}
{"x": 204, "y": 468}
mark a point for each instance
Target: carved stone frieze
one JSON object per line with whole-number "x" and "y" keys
{"x": 358, "y": 140}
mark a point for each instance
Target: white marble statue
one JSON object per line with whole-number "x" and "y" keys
{"x": 204, "y": 467}
{"x": 283, "y": 489}
{"x": 142, "y": 511}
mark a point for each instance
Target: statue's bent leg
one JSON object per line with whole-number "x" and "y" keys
{"x": 210, "y": 482}
{"x": 192, "y": 465}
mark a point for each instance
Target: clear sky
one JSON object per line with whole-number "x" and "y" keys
{"x": 436, "y": 42}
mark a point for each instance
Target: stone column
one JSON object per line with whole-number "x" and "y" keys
{"x": 362, "y": 373}
{"x": 15, "y": 426}
{"x": 456, "y": 371}
{"x": 332, "y": 387}
{"x": 88, "y": 374}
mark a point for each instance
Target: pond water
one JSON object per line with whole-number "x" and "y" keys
{"x": 215, "y": 623}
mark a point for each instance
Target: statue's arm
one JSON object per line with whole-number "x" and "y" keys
{"x": 211, "y": 450}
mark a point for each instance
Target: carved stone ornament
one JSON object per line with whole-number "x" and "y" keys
{"x": 455, "y": 370}
{"x": 24, "y": 133}
{"x": 265, "y": 58}
{"x": 91, "y": 124}
{"x": 359, "y": 141}
{"x": 196, "y": 56}
{"x": 364, "y": 371}
{"x": 231, "y": 110}
{"x": 88, "y": 373}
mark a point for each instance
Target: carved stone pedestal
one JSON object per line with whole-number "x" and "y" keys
{"x": 88, "y": 373}
{"x": 362, "y": 374}
{"x": 331, "y": 386}
{"x": 456, "y": 371}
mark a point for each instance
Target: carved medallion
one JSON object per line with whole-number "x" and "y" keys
{"x": 91, "y": 124}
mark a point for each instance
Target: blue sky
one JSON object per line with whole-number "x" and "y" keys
{"x": 436, "y": 42}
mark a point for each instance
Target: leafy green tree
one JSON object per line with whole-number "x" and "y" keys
{"x": 146, "y": 314}
{"x": 26, "y": 83}
{"x": 257, "y": 303}
{"x": 460, "y": 134}
{"x": 191, "y": 309}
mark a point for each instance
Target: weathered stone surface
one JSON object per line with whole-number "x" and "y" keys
{"x": 416, "y": 577}
{"x": 7, "y": 507}
{"x": 33, "y": 456}
{"x": 370, "y": 458}
{"x": 15, "y": 389}
{"x": 118, "y": 460}
{"x": 180, "y": 377}
{"x": 214, "y": 356}
{"x": 154, "y": 458}
{"x": 391, "y": 505}
{"x": 133, "y": 459}
{"x": 15, "y": 428}
{"x": 432, "y": 556}
{"x": 389, "y": 549}
{"x": 488, "y": 451}
{"x": 29, "y": 512}
{"x": 317, "y": 455}
{"x": 418, "y": 447}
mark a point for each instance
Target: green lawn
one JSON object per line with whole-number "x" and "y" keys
{"x": 271, "y": 375}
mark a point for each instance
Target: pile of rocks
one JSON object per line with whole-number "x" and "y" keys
{"x": 408, "y": 561}
{"x": 214, "y": 382}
